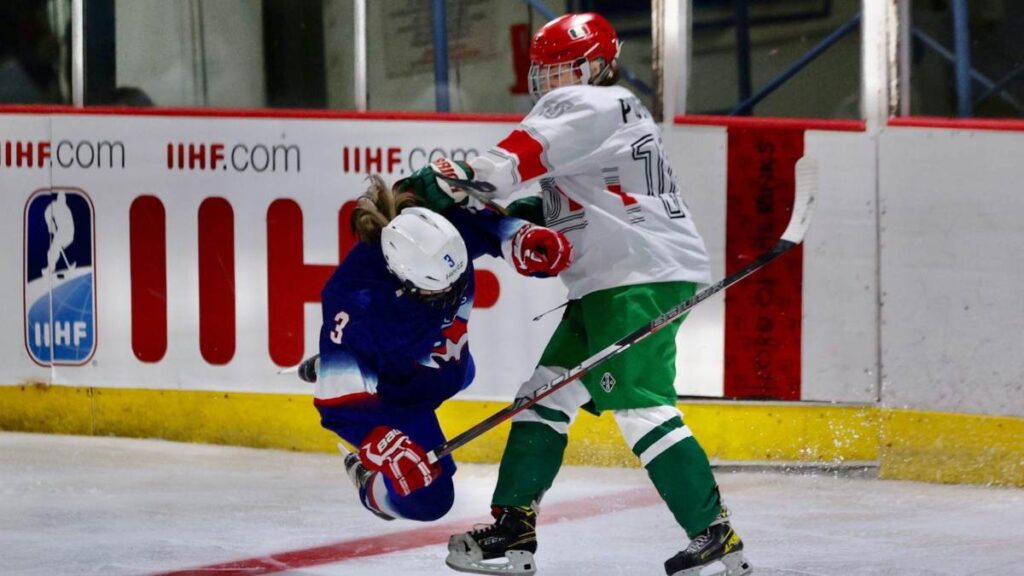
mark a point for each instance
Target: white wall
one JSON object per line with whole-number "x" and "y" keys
{"x": 840, "y": 303}
{"x": 16, "y": 185}
{"x": 840, "y": 282}
{"x": 952, "y": 270}
{"x": 698, "y": 157}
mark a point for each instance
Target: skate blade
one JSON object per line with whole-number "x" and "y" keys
{"x": 733, "y": 564}
{"x": 465, "y": 556}
{"x": 517, "y": 563}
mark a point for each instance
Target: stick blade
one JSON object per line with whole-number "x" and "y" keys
{"x": 803, "y": 203}
{"x": 476, "y": 185}
{"x": 477, "y": 189}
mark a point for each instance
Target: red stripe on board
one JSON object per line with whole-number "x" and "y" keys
{"x": 291, "y": 283}
{"x": 959, "y": 123}
{"x": 216, "y": 281}
{"x": 262, "y": 113}
{"x": 763, "y": 314}
{"x": 147, "y": 232}
{"x": 528, "y": 150}
{"x": 773, "y": 123}
{"x": 430, "y": 534}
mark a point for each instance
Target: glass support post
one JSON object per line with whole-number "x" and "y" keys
{"x": 440, "y": 20}
{"x": 78, "y": 52}
{"x": 359, "y": 67}
{"x": 962, "y": 42}
{"x": 743, "y": 49}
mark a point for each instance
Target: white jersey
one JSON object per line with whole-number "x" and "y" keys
{"x": 607, "y": 186}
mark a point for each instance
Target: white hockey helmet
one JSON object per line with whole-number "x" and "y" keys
{"x": 425, "y": 252}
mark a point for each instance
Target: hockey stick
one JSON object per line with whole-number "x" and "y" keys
{"x": 803, "y": 206}
{"x": 474, "y": 185}
{"x": 479, "y": 190}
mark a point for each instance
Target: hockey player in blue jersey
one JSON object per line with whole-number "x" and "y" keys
{"x": 394, "y": 342}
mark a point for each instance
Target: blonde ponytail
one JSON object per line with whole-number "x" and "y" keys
{"x": 376, "y": 208}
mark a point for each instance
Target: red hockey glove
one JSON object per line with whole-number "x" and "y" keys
{"x": 391, "y": 452}
{"x": 540, "y": 252}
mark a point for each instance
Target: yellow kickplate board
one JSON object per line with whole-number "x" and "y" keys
{"x": 909, "y": 445}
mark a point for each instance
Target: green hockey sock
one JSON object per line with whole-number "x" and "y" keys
{"x": 682, "y": 475}
{"x": 530, "y": 463}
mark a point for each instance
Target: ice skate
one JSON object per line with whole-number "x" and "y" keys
{"x": 361, "y": 478}
{"x": 717, "y": 551}
{"x": 505, "y": 547}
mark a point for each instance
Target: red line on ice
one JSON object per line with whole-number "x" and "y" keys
{"x": 429, "y": 534}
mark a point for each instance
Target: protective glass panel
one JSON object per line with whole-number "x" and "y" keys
{"x": 288, "y": 54}
{"x": 632, "y": 22}
{"x": 488, "y": 52}
{"x": 35, "y": 51}
{"x": 991, "y": 58}
{"x": 220, "y": 53}
{"x": 787, "y": 58}
{"x": 481, "y": 67}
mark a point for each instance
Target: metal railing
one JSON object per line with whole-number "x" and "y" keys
{"x": 747, "y": 106}
{"x": 966, "y": 75}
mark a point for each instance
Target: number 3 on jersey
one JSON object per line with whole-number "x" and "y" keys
{"x": 340, "y": 320}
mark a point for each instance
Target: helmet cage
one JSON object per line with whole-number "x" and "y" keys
{"x": 546, "y": 77}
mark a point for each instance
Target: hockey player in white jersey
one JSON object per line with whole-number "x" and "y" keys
{"x": 608, "y": 187}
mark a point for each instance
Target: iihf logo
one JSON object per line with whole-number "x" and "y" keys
{"x": 60, "y": 277}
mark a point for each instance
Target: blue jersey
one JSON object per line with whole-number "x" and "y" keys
{"x": 389, "y": 359}
{"x": 383, "y": 350}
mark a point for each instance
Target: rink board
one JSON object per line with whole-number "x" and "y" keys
{"x": 908, "y": 444}
{"x": 737, "y": 431}
{"x": 214, "y": 231}
{"x": 166, "y": 193}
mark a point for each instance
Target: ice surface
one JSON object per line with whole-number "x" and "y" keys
{"x": 108, "y": 506}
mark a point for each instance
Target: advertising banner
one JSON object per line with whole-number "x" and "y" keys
{"x": 188, "y": 252}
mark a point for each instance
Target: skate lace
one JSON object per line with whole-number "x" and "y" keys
{"x": 699, "y": 542}
{"x": 482, "y": 529}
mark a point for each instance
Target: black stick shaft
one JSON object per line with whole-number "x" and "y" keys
{"x": 524, "y": 402}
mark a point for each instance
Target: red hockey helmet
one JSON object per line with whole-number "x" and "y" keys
{"x": 562, "y": 51}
